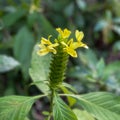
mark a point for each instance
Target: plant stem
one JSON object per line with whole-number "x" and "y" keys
{"x": 51, "y": 103}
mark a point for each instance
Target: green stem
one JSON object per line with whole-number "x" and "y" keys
{"x": 51, "y": 103}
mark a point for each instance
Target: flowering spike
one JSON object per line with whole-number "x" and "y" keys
{"x": 61, "y": 48}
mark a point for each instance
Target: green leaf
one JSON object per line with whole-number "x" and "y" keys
{"x": 61, "y": 110}
{"x": 71, "y": 100}
{"x": 112, "y": 68}
{"x": 116, "y": 46}
{"x": 70, "y": 87}
{"x": 100, "y": 25}
{"x": 15, "y": 107}
{"x": 102, "y": 105}
{"x": 81, "y": 4}
{"x": 88, "y": 58}
{"x": 83, "y": 115}
{"x": 7, "y": 63}
{"x": 11, "y": 18}
{"x": 100, "y": 67}
{"x": 39, "y": 70}
{"x": 116, "y": 20}
{"x": 116, "y": 29}
{"x": 23, "y": 46}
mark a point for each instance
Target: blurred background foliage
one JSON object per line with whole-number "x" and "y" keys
{"x": 23, "y": 22}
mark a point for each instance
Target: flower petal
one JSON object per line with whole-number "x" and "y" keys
{"x": 71, "y": 52}
{"x": 66, "y": 33}
{"x": 63, "y": 33}
{"x": 79, "y": 35}
{"x": 59, "y": 30}
{"x": 42, "y": 52}
{"x": 45, "y": 41}
{"x": 70, "y": 42}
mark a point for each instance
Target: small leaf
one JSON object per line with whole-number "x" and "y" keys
{"x": 69, "y": 87}
{"x": 116, "y": 46}
{"x": 100, "y": 67}
{"x": 102, "y": 105}
{"x": 116, "y": 29}
{"x": 116, "y": 20}
{"x": 89, "y": 58}
{"x": 39, "y": 70}
{"x": 15, "y": 107}
{"x": 81, "y": 4}
{"x": 7, "y": 63}
{"x": 100, "y": 25}
{"x": 71, "y": 101}
{"x": 112, "y": 68}
{"x": 83, "y": 115}
{"x": 61, "y": 111}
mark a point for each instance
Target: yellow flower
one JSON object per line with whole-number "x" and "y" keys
{"x": 46, "y": 46}
{"x": 63, "y": 33}
{"x": 70, "y": 46}
{"x": 79, "y": 36}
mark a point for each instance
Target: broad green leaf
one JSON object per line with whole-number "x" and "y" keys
{"x": 7, "y": 63}
{"x": 61, "y": 111}
{"x": 83, "y": 115}
{"x": 11, "y": 18}
{"x": 15, "y": 107}
{"x": 23, "y": 46}
{"x": 102, "y": 105}
{"x": 39, "y": 70}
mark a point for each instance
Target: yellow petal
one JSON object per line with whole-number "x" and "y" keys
{"x": 71, "y": 52}
{"x": 63, "y": 33}
{"x": 70, "y": 42}
{"x": 63, "y": 43}
{"x": 53, "y": 51}
{"x": 76, "y": 45}
{"x": 85, "y": 46}
{"x": 54, "y": 45}
{"x": 59, "y": 30}
{"x": 66, "y": 33}
{"x": 79, "y": 35}
{"x": 45, "y": 41}
{"x": 42, "y": 52}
